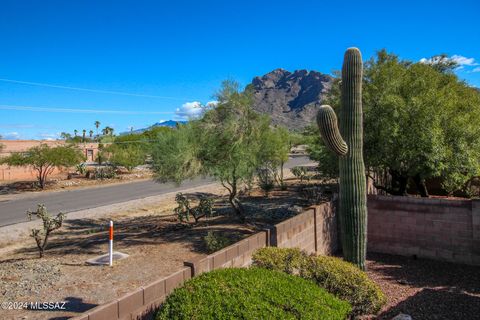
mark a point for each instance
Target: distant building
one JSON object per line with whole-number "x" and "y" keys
{"x": 90, "y": 151}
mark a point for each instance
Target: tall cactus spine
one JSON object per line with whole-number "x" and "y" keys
{"x": 347, "y": 143}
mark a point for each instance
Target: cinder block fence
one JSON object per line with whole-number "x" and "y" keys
{"x": 430, "y": 228}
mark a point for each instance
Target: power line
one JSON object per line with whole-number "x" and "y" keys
{"x": 73, "y": 110}
{"x": 39, "y": 84}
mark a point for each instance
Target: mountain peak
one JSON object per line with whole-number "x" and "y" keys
{"x": 290, "y": 98}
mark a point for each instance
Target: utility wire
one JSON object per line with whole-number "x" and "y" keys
{"x": 73, "y": 110}
{"x": 39, "y": 84}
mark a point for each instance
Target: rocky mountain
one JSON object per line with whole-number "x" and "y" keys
{"x": 290, "y": 98}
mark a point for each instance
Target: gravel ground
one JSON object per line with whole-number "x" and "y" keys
{"x": 426, "y": 289}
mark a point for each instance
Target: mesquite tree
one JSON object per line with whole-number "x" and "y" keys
{"x": 226, "y": 144}
{"x": 347, "y": 143}
{"x": 50, "y": 224}
{"x": 44, "y": 159}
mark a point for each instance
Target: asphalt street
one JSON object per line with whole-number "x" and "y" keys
{"x": 13, "y": 211}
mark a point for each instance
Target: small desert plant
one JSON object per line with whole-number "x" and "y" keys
{"x": 81, "y": 168}
{"x": 215, "y": 241}
{"x": 300, "y": 173}
{"x": 50, "y": 224}
{"x": 266, "y": 180}
{"x": 313, "y": 195}
{"x": 104, "y": 173}
{"x": 253, "y": 293}
{"x": 184, "y": 209}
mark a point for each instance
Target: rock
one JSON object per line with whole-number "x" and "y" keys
{"x": 402, "y": 316}
{"x": 290, "y": 99}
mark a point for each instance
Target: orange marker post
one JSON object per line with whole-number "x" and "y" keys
{"x": 110, "y": 247}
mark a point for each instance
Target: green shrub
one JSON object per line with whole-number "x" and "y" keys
{"x": 215, "y": 241}
{"x": 253, "y": 293}
{"x": 338, "y": 277}
{"x": 289, "y": 260}
{"x": 299, "y": 173}
{"x": 346, "y": 281}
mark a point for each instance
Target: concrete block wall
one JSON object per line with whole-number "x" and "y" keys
{"x": 314, "y": 231}
{"x": 237, "y": 255}
{"x": 141, "y": 303}
{"x": 429, "y": 228}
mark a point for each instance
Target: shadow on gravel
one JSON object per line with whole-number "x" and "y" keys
{"x": 447, "y": 290}
{"x": 437, "y": 304}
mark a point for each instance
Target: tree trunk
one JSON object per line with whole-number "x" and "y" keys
{"x": 237, "y": 207}
{"x": 399, "y": 183}
{"x": 421, "y": 186}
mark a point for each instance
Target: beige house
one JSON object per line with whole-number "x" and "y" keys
{"x": 90, "y": 151}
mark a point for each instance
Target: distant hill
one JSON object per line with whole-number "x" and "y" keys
{"x": 291, "y": 99}
{"x": 167, "y": 123}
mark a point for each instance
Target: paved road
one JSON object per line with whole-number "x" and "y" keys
{"x": 13, "y": 211}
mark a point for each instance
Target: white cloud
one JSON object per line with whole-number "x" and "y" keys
{"x": 477, "y": 69}
{"x": 48, "y": 136}
{"x": 212, "y": 104}
{"x": 190, "y": 110}
{"x": 461, "y": 61}
{"x": 11, "y": 136}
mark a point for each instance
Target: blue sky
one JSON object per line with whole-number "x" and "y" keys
{"x": 141, "y": 60}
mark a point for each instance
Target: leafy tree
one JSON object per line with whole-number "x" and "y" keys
{"x": 90, "y": 134}
{"x": 273, "y": 153}
{"x": 128, "y": 156}
{"x": 224, "y": 144}
{"x": 75, "y": 132}
{"x": 84, "y": 132}
{"x": 420, "y": 122}
{"x": 44, "y": 159}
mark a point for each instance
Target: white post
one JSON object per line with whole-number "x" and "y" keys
{"x": 110, "y": 247}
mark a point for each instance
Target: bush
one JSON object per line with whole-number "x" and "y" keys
{"x": 287, "y": 260}
{"x": 215, "y": 241}
{"x": 266, "y": 180}
{"x": 300, "y": 173}
{"x": 338, "y": 277}
{"x": 253, "y": 293}
{"x": 102, "y": 173}
{"x": 185, "y": 209}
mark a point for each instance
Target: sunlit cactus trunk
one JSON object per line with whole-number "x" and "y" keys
{"x": 348, "y": 145}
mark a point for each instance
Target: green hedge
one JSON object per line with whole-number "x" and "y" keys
{"x": 287, "y": 260}
{"x": 338, "y": 277}
{"x": 253, "y": 293}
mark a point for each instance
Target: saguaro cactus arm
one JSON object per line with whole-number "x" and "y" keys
{"x": 328, "y": 125}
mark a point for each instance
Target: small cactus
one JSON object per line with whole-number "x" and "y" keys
{"x": 347, "y": 143}
{"x": 50, "y": 224}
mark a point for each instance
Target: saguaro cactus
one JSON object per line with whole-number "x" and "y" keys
{"x": 348, "y": 145}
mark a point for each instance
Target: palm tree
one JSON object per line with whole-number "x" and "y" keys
{"x": 75, "y": 131}
{"x": 108, "y": 131}
{"x": 83, "y": 135}
{"x": 65, "y": 136}
{"x": 90, "y": 133}
{"x": 97, "y": 124}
